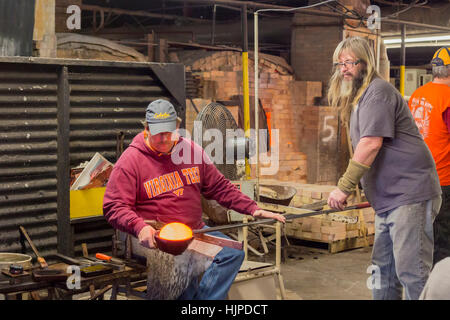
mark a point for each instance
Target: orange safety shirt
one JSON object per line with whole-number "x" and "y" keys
{"x": 428, "y": 104}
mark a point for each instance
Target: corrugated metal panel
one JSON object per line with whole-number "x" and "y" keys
{"x": 28, "y": 156}
{"x": 105, "y": 102}
{"x": 106, "y": 98}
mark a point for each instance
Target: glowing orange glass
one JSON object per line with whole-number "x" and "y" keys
{"x": 175, "y": 231}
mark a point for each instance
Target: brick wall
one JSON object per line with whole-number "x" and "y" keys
{"x": 291, "y": 106}
{"x": 313, "y": 41}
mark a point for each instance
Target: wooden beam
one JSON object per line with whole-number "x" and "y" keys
{"x": 163, "y": 55}
{"x": 150, "y": 47}
{"x": 65, "y": 237}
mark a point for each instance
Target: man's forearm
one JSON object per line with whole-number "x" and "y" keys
{"x": 367, "y": 150}
{"x": 365, "y": 153}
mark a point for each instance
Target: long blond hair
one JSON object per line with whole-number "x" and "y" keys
{"x": 363, "y": 52}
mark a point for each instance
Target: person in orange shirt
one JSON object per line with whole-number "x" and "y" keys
{"x": 429, "y": 105}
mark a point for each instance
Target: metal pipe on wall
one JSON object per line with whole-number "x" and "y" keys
{"x": 65, "y": 237}
{"x": 245, "y": 85}
{"x": 213, "y": 32}
{"x": 256, "y": 101}
{"x": 402, "y": 62}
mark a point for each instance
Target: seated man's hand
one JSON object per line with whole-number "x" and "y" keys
{"x": 263, "y": 214}
{"x": 146, "y": 237}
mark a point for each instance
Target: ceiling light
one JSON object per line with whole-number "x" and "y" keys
{"x": 421, "y": 39}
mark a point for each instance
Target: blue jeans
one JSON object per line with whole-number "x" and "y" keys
{"x": 403, "y": 249}
{"x": 219, "y": 276}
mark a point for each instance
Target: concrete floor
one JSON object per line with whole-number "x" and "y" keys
{"x": 311, "y": 273}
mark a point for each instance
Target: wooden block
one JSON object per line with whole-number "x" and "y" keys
{"x": 326, "y": 223}
{"x": 306, "y": 235}
{"x": 306, "y": 226}
{"x": 337, "y": 223}
{"x": 316, "y": 236}
{"x": 370, "y": 228}
{"x": 206, "y": 249}
{"x": 352, "y": 234}
{"x": 316, "y": 195}
{"x": 290, "y": 232}
{"x": 339, "y": 236}
{"x": 337, "y": 246}
{"x": 298, "y": 234}
{"x": 333, "y": 230}
{"x": 352, "y": 226}
{"x": 368, "y": 215}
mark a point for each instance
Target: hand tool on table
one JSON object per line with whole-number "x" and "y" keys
{"x": 73, "y": 261}
{"x": 44, "y": 273}
{"x": 114, "y": 265}
{"x": 39, "y": 258}
{"x": 177, "y": 247}
{"x": 88, "y": 268}
{"x": 96, "y": 270}
{"x": 104, "y": 257}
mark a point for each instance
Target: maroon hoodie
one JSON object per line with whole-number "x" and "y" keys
{"x": 147, "y": 185}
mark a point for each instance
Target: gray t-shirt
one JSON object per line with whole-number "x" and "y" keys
{"x": 403, "y": 171}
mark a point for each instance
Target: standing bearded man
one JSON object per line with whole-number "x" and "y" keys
{"x": 395, "y": 166}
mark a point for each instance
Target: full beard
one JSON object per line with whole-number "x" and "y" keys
{"x": 349, "y": 88}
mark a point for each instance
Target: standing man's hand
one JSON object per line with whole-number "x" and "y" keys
{"x": 268, "y": 215}
{"x": 146, "y": 237}
{"x": 337, "y": 199}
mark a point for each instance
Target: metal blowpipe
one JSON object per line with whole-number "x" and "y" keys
{"x": 288, "y": 216}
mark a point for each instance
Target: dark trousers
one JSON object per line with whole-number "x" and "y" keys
{"x": 442, "y": 228}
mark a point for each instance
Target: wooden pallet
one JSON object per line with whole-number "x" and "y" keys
{"x": 335, "y": 246}
{"x": 350, "y": 243}
{"x": 338, "y": 235}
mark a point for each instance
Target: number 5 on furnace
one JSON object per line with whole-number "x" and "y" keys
{"x": 327, "y": 127}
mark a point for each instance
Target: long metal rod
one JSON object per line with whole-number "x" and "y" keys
{"x": 245, "y": 85}
{"x": 213, "y": 32}
{"x": 416, "y": 24}
{"x": 138, "y": 13}
{"x": 256, "y": 85}
{"x": 403, "y": 62}
{"x": 288, "y": 216}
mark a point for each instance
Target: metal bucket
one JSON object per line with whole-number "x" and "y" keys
{"x": 276, "y": 194}
{"x": 7, "y": 259}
